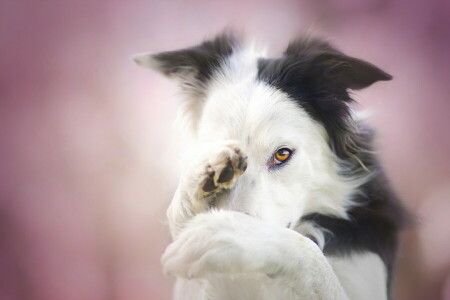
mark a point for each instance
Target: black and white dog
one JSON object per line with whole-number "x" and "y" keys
{"x": 281, "y": 196}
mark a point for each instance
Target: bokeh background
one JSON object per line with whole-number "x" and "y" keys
{"x": 88, "y": 161}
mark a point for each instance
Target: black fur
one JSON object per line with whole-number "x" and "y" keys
{"x": 197, "y": 64}
{"x": 317, "y": 77}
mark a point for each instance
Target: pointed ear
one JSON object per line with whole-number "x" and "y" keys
{"x": 193, "y": 66}
{"x": 146, "y": 60}
{"x": 353, "y": 73}
{"x": 318, "y": 77}
{"x": 336, "y": 68}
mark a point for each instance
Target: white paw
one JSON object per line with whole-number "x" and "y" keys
{"x": 227, "y": 242}
{"x": 208, "y": 244}
{"x": 217, "y": 172}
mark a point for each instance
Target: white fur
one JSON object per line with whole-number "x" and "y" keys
{"x": 272, "y": 262}
{"x": 242, "y": 249}
{"x": 362, "y": 275}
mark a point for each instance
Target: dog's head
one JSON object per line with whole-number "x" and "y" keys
{"x": 290, "y": 115}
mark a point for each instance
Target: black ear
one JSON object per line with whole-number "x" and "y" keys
{"x": 317, "y": 76}
{"x": 192, "y": 66}
{"x": 336, "y": 68}
{"x": 353, "y": 73}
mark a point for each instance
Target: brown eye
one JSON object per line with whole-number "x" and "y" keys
{"x": 282, "y": 155}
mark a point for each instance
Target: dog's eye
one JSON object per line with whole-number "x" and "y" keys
{"x": 281, "y": 156}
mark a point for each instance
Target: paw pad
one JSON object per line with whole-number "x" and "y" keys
{"x": 221, "y": 175}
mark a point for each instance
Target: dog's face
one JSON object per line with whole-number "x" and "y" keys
{"x": 288, "y": 114}
{"x": 288, "y": 155}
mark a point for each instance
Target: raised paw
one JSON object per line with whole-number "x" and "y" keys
{"x": 211, "y": 172}
{"x": 222, "y": 169}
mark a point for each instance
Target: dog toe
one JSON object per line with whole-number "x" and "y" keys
{"x": 242, "y": 164}
{"x": 209, "y": 184}
{"x": 227, "y": 174}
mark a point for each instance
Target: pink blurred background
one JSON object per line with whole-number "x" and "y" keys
{"x": 88, "y": 160}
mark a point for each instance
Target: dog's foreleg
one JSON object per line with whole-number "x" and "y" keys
{"x": 210, "y": 173}
{"x": 231, "y": 243}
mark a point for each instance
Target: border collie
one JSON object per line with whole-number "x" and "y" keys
{"x": 281, "y": 196}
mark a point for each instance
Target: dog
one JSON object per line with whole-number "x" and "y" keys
{"x": 281, "y": 196}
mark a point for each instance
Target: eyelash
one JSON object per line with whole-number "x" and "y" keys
{"x": 275, "y": 162}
